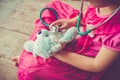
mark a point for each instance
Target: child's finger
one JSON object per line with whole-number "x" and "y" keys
{"x": 15, "y": 61}
{"x": 55, "y": 23}
{"x": 63, "y": 26}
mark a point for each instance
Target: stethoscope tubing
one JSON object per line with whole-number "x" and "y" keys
{"x": 52, "y": 10}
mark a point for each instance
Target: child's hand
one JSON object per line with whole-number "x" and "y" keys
{"x": 63, "y": 23}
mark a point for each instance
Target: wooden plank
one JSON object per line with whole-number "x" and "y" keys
{"x": 18, "y": 26}
{"x": 7, "y": 70}
{"x": 11, "y": 43}
{"x": 25, "y": 15}
{"x": 32, "y": 5}
{"x": 6, "y": 7}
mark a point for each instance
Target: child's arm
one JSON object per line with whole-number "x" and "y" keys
{"x": 65, "y": 23}
{"x": 104, "y": 58}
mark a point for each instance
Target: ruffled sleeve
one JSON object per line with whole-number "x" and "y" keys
{"x": 112, "y": 41}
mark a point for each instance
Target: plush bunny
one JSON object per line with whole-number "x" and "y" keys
{"x": 48, "y": 42}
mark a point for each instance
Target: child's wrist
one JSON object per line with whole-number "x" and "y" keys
{"x": 73, "y": 21}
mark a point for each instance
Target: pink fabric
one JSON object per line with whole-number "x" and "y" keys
{"x": 107, "y": 35}
{"x": 31, "y": 68}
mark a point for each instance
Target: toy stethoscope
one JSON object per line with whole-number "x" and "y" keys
{"x": 79, "y": 19}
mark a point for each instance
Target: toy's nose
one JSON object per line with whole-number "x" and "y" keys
{"x": 39, "y": 32}
{"x": 43, "y": 33}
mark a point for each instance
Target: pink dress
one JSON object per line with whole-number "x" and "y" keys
{"x": 107, "y": 35}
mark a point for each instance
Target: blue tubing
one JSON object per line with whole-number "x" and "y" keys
{"x": 77, "y": 26}
{"x": 52, "y": 10}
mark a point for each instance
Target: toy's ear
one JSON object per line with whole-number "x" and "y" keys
{"x": 45, "y": 32}
{"x": 28, "y": 46}
{"x": 69, "y": 35}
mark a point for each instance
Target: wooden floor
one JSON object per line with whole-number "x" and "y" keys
{"x": 15, "y": 29}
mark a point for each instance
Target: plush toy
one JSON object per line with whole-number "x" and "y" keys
{"x": 50, "y": 42}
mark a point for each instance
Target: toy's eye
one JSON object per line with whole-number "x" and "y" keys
{"x": 39, "y": 32}
{"x": 47, "y": 35}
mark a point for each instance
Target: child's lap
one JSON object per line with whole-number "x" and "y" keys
{"x": 31, "y": 68}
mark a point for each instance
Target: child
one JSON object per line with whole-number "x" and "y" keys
{"x": 86, "y": 58}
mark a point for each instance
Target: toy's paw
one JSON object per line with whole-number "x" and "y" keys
{"x": 41, "y": 53}
{"x": 56, "y": 48}
{"x": 69, "y": 35}
{"x": 45, "y": 56}
{"x": 28, "y": 46}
